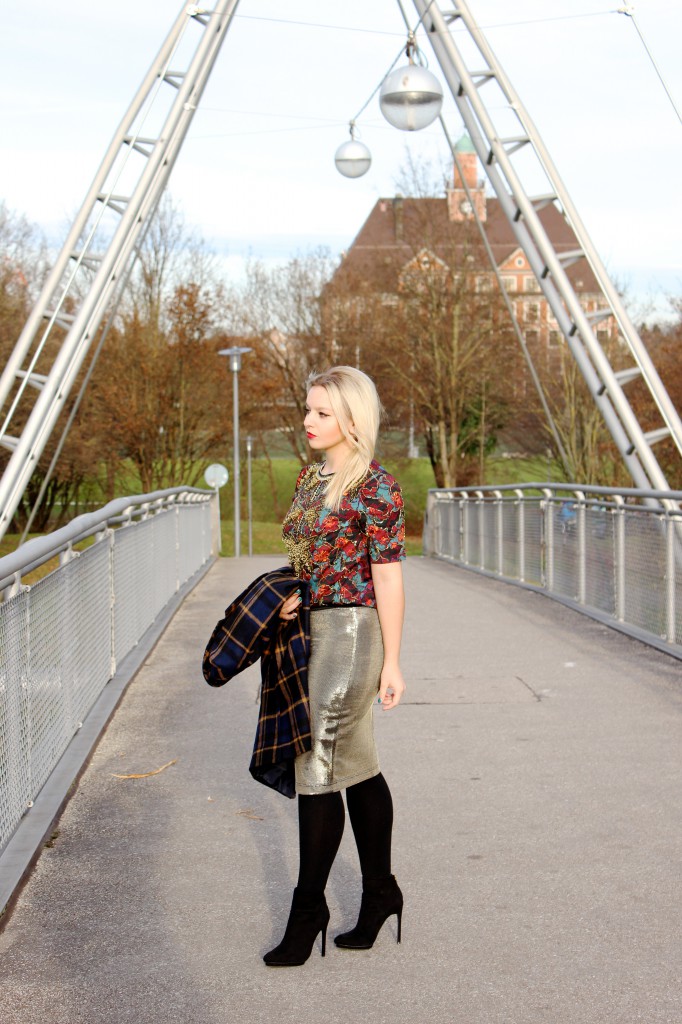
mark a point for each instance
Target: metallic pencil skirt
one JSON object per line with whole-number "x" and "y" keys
{"x": 344, "y": 670}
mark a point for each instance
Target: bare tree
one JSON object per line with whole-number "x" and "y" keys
{"x": 156, "y": 399}
{"x": 664, "y": 341}
{"x": 590, "y": 451}
{"x": 23, "y": 266}
{"x": 171, "y": 253}
{"x": 417, "y": 177}
{"x": 280, "y": 313}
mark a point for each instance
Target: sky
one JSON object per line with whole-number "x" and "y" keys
{"x": 256, "y": 174}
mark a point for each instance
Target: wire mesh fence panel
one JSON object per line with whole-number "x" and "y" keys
{"x": 193, "y": 531}
{"x": 491, "y": 532}
{"x": 206, "y": 535}
{"x": 449, "y": 529}
{"x": 645, "y": 572}
{"x": 88, "y": 628}
{"x": 565, "y": 551}
{"x": 164, "y": 570}
{"x": 600, "y": 566}
{"x": 457, "y": 531}
{"x": 15, "y": 782}
{"x": 133, "y": 559}
{"x": 511, "y": 554}
{"x": 48, "y": 675}
{"x": 124, "y": 575}
{"x": 533, "y": 534}
{"x": 472, "y": 534}
{"x": 674, "y": 578}
{"x": 677, "y": 590}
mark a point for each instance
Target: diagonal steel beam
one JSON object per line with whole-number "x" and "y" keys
{"x": 142, "y": 164}
{"x": 496, "y": 155}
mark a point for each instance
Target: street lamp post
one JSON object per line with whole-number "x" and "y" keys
{"x": 249, "y": 498}
{"x": 235, "y": 356}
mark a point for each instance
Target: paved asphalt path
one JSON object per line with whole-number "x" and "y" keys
{"x": 536, "y": 771}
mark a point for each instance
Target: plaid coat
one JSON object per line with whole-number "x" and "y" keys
{"x": 252, "y": 629}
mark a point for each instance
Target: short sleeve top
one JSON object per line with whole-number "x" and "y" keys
{"x": 334, "y": 551}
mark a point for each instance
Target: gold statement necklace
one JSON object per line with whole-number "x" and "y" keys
{"x": 301, "y": 517}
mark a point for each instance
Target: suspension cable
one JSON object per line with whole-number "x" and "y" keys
{"x": 629, "y": 11}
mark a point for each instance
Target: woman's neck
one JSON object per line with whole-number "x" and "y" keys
{"x": 333, "y": 463}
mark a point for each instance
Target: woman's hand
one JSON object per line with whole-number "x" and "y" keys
{"x": 289, "y": 609}
{"x": 391, "y": 687}
{"x": 388, "y": 587}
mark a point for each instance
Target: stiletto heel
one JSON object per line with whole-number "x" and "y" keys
{"x": 381, "y": 898}
{"x": 308, "y": 917}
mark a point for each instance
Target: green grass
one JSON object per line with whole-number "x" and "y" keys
{"x": 535, "y": 469}
{"x": 273, "y": 483}
{"x": 415, "y": 477}
{"x": 271, "y": 498}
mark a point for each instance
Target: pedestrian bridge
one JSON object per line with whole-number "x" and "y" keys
{"x": 535, "y": 765}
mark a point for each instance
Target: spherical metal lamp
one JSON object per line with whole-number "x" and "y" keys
{"x": 411, "y": 98}
{"x": 352, "y": 158}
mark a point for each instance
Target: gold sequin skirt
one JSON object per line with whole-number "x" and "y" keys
{"x": 344, "y": 670}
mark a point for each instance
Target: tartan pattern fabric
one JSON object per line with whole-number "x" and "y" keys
{"x": 251, "y": 629}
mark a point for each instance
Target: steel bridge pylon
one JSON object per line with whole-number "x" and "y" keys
{"x": 469, "y": 78}
{"x": 92, "y": 269}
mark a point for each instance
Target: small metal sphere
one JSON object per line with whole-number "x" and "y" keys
{"x": 352, "y": 159}
{"x": 411, "y": 98}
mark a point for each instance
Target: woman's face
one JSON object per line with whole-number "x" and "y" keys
{"x": 321, "y": 425}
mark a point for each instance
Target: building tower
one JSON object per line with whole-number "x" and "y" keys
{"x": 460, "y": 207}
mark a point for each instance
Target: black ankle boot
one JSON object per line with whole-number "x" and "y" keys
{"x": 308, "y": 917}
{"x": 380, "y": 899}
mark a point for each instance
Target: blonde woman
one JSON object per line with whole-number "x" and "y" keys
{"x": 345, "y": 537}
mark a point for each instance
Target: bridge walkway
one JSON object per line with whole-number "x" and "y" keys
{"x": 536, "y": 772}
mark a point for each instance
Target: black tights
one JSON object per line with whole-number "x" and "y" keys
{"x": 320, "y": 827}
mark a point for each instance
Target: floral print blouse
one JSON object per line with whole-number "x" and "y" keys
{"x": 333, "y": 551}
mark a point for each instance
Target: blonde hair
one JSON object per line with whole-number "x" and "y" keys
{"x": 355, "y": 403}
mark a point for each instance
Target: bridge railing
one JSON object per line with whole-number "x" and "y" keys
{"x": 62, "y": 638}
{"x": 614, "y": 554}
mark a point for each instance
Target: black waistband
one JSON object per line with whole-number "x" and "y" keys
{"x": 351, "y": 604}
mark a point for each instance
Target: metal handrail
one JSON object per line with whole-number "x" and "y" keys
{"x": 36, "y": 552}
{"x": 627, "y": 492}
